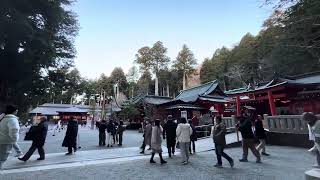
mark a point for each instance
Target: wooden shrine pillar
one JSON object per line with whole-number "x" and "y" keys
{"x": 272, "y": 104}
{"x": 238, "y": 106}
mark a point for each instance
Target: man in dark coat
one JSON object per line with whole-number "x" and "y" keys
{"x": 193, "y": 138}
{"x": 38, "y": 135}
{"x": 248, "y": 139}
{"x": 70, "y": 140}
{"x": 102, "y": 133}
{"x": 120, "y": 131}
{"x": 218, "y": 133}
{"x": 169, "y": 132}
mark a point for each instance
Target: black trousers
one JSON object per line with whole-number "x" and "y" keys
{"x": 102, "y": 138}
{"x": 193, "y": 147}
{"x": 171, "y": 145}
{"x": 219, "y": 152}
{"x": 33, "y": 148}
{"x": 72, "y": 147}
{"x": 120, "y": 138}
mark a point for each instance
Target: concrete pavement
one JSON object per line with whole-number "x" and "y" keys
{"x": 284, "y": 163}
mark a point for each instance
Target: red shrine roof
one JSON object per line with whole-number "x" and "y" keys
{"x": 310, "y": 79}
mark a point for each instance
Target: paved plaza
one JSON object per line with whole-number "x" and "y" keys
{"x": 285, "y": 163}
{"x": 93, "y": 162}
{"x": 88, "y": 140}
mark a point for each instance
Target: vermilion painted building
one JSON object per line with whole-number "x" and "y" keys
{"x": 287, "y": 95}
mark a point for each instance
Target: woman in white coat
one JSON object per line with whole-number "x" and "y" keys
{"x": 9, "y": 132}
{"x": 184, "y": 132}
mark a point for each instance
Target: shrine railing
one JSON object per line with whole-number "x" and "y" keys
{"x": 205, "y": 130}
{"x": 286, "y": 124}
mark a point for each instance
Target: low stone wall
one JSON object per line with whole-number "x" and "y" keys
{"x": 289, "y": 139}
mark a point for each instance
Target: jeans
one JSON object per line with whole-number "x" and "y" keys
{"x": 5, "y": 150}
{"x": 109, "y": 139}
{"x": 193, "y": 147}
{"x": 219, "y": 152}
{"x": 249, "y": 143}
{"x": 31, "y": 151}
{"x": 184, "y": 147}
{"x": 17, "y": 148}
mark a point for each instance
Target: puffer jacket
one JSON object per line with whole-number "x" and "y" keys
{"x": 184, "y": 132}
{"x": 9, "y": 129}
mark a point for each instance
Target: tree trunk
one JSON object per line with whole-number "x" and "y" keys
{"x": 168, "y": 92}
{"x": 184, "y": 85}
{"x": 156, "y": 87}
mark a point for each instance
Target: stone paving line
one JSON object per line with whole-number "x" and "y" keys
{"x": 284, "y": 163}
{"x": 92, "y": 155}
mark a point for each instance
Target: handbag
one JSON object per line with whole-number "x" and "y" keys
{"x": 178, "y": 145}
{"x": 29, "y": 134}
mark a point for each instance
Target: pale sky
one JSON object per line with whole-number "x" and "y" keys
{"x": 111, "y": 31}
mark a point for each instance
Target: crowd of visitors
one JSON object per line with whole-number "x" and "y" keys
{"x": 182, "y": 135}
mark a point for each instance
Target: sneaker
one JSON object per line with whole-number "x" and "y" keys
{"x": 142, "y": 152}
{"x": 18, "y": 154}
{"x": 68, "y": 153}
{"x": 258, "y": 161}
{"x": 243, "y": 160}
{"x": 231, "y": 163}
{"x": 218, "y": 166}
{"x": 40, "y": 159}
{"x": 265, "y": 154}
{"x": 152, "y": 161}
{"x": 184, "y": 162}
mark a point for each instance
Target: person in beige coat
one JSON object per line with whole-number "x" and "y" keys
{"x": 156, "y": 141}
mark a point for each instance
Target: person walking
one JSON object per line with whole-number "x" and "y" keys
{"x": 15, "y": 146}
{"x": 121, "y": 129}
{"x": 314, "y": 123}
{"x": 110, "y": 131}
{"x": 169, "y": 133}
{"x": 156, "y": 141}
{"x": 70, "y": 139}
{"x": 184, "y": 132}
{"x": 261, "y": 135}
{"x": 218, "y": 133}
{"x": 9, "y": 132}
{"x": 248, "y": 140}
{"x": 38, "y": 134}
{"x": 193, "y": 138}
{"x": 147, "y": 136}
{"x": 102, "y": 133}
